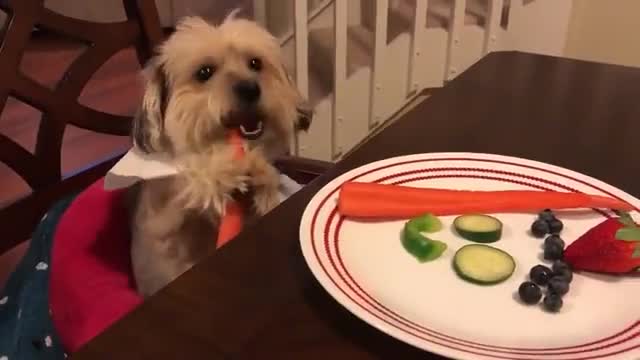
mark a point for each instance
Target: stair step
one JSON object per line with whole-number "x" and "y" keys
{"x": 360, "y": 38}
{"x": 317, "y": 89}
{"x": 439, "y": 12}
{"x": 438, "y": 15}
{"x": 400, "y": 19}
{"x": 322, "y": 49}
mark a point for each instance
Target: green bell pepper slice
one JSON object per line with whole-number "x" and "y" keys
{"x": 421, "y": 247}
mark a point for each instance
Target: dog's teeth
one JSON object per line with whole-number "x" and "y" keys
{"x": 257, "y": 131}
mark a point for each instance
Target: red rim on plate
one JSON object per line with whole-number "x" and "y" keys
{"x": 323, "y": 236}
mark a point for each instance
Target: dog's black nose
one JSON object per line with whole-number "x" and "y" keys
{"x": 247, "y": 91}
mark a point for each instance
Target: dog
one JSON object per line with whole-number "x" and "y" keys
{"x": 204, "y": 80}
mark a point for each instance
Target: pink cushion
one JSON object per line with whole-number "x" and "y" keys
{"x": 91, "y": 284}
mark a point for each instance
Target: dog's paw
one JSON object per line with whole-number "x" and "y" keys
{"x": 232, "y": 183}
{"x": 232, "y": 179}
{"x": 264, "y": 181}
{"x": 208, "y": 183}
{"x": 265, "y": 200}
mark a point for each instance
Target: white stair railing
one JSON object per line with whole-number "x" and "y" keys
{"x": 379, "y": 65}
{"x": 422, "y": 56}
{"x": 494, "y": 13}
{"x": 340, "y": 96}
{"x": 418, "y": 41}
{"x": 301, "y": 36}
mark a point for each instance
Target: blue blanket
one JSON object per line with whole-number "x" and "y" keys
{"x": 26, "y": 329}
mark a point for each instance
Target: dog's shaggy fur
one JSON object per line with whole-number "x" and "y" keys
{"x": 205, "y": 80}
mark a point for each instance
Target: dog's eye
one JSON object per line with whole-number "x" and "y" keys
{"x": 204, "y": 73}
{"x": 255, "y": 64}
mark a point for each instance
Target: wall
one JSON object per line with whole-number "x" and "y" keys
{"x": 605, "y": 31}
{"x": 540, "y": 26}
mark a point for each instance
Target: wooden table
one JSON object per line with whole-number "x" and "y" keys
{"x": 256, "y": 298}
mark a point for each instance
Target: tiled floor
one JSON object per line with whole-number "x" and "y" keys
{"x": 115, "y": 88}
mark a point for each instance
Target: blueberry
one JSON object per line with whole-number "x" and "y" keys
{"x": 540, "y": 228}
{"x": 559, "y": 286}
{"x": 559, "y": 266}
{"x": 567, "y": 275}
{"x": 529, "y": 292}
{"x": 546, "y": 215}
{"x": 554, "y": 239}
{"x": 553, "y": 252}
{"x": 552, "y": 302}
{"x": 555, "y": 226}
{"x": 540, "y": 275}
{"x": 562, "y": 269}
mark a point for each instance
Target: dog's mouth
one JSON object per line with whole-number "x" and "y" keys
{"x": 252, "y": 131}
{"x": 250, "y": 124}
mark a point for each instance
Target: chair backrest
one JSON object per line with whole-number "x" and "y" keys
{"x": 59, "y": 105}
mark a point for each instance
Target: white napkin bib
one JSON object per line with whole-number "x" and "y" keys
{"x": 136, "y": 165}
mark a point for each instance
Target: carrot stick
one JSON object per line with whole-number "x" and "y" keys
{"x": 370, "y": 200}
{"x": 231, "y": 222}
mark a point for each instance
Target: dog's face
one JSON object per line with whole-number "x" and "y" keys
{"x": 208, "y": 79}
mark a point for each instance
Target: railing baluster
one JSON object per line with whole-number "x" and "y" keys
{"x": 260, "y": 12}
{"x": 492, "y": 25}
{"x": 301, "y": 35}
{"x": 455, "y": 30}
{"x": 340, "y": 73}
{"x": 516, "y": 28}
{"x": 380, "y": 46}
{"x": 417, "y": 40}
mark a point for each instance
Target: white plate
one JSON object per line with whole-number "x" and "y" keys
{"x": 366, "y": 269}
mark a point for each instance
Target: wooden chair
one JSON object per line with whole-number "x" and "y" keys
{"x": 60, "y": 106}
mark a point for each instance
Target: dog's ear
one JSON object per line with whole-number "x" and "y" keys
{"x": 303, "y": 107}
{"x": 148, "y": 123}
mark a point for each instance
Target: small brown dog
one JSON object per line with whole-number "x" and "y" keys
{"x": 205, "y": 80}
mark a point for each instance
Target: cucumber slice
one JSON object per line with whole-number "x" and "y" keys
{"x": 478, "y": 227}
{"x": 483, "y": 264}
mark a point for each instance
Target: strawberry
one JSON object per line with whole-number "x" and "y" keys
{"x": 610, "y": 247}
